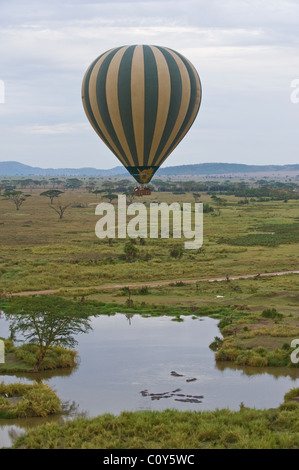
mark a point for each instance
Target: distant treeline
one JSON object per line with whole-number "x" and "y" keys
{"x": 260, "y": 189}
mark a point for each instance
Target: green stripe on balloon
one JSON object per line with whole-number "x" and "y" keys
{"x": 175, "y": 101}
{"x": 151, "y": 99}
{"x": 124, "y": 99}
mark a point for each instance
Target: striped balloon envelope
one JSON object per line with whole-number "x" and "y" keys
{"x": 141, "y": 100}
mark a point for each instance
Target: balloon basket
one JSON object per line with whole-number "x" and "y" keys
{"x": 142, "y": 190}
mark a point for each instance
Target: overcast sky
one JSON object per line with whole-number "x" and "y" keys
{"x": 245, "y": 51}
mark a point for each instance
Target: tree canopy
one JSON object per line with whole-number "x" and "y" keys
{"x": 48, "y": 321}
{"x": 17, "y": 197}
{"x": 52, "y": 193}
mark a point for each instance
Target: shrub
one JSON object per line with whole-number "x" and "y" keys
{"x": 25, "y": 400}
{"x": 56, "y": 357}
{"x": 291, "y": 394}
{"x": 251, "y": 358}
{"x": 224, "y": 322}
{"x": 207, "y": 208}
{"x": 9, "y": 346}
{"x": 271, "y": 313}
{"x": 143, "y": 290}
{"x": 131, "y": 252}
{"x": 216, "y": 344}
{"x": 229, "y": 354}
{"x": 176, "y": 253}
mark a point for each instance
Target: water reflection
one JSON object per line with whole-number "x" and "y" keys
{"x": 12, "y": 429}
{"x": 129, "y": 317}
{"x": 276, "y": 372}
{"x": 122, "y": 356}
{"x": 45, "y": 374}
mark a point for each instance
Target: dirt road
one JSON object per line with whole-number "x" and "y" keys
{"x": 152, "y": 284}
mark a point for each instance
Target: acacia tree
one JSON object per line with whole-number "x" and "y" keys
{"x": 60, "y": 209}
{"x": 98, "y": 191}
{"x": 17, "y": 197}
{"x": 110, "y": 196}
{"x": 47, "y": 321}
{"x": 73, "y": 183}
{"x": 52, "y": 193}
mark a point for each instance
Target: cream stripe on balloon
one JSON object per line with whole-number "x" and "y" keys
{"x": 193, "y": 115}
{"x": 94, "y": 104}
{"x": 138, "y": 101}
{"x": 113, "y": 103}
{"x": 84, "y": 101}
{"x": 164, "y": 89}
{"x": 185, "y": 101}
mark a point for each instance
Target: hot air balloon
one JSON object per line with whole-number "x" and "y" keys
{"x": 141, "y": 100}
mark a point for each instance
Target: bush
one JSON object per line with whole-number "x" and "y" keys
{"x": 143, "y": 290}
{"x": 271, "y": 313}
{"x": 224, "y": 322}
{"x": 56, "y": 357}
{"x": 229, "y": 354}
{"x": 176, "y": 253}
{"x": 131, "y": 252}
{"x": 292, "y": 394}
{"x": 251, "y": 358}
{"x": 216, "y": 344}
{"x": 25, "y": 400}
{"x": 9, "y": 346}
{"x": 207, "y": 208}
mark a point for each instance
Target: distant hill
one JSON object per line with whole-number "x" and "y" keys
{"x": 224, "y": 168}
{"x": 19, "y": 169}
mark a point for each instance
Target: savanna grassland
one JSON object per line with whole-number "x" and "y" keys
{"x": 243, "y": 235}
{"x": 41, "y": 251}
{"x": 250, "y": 230}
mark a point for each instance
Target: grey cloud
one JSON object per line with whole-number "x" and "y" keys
{"x": 246, "y": 53}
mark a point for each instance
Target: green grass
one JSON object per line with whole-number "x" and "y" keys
{"x": 255, "y": 332}
{"x": 39, "y": 252}
{"x": 50, "y": 253}
{"x": 23, "y": 358}
{"x": 257, "y": 339}
{"x": 276, "y": 234}
{"x": 172, "y": 429}
{"x": 23, "y": 400}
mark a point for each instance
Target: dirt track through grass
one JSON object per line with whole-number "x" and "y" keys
{"x": 151, "y": 284}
